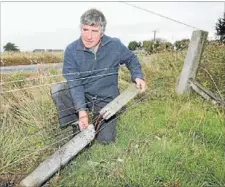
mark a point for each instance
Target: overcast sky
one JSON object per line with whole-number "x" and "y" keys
{"x": 53, "y": 25}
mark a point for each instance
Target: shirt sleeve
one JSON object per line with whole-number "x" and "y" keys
{"x": 130, "y": 60}
{"x": 72, "y": 75}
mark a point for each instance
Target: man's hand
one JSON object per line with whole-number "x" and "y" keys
{"x": 83, "y": 120}
{"x": 140, "y": 83}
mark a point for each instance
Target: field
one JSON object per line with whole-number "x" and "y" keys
{"x": 163, "y": 139}
{"x": 27, "y": 58}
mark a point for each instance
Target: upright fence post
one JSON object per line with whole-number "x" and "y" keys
{"x": 192, "y": 60}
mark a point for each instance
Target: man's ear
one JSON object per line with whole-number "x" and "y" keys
{"x": 102, "y": 35}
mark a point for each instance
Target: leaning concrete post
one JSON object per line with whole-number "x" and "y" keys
{"x": 192, "y": 60}
{"x": 61, "y": 157}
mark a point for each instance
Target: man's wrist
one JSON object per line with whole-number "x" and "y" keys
{"x": 142, "y": 78}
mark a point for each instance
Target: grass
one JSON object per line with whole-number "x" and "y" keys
{"x": 161, "y": 150}
{"x": 212, "y": 67}
{"x": 26, "y": 58}
{"x": 166, "y": 140}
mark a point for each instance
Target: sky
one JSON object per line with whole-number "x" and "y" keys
{"x": 53, "y": 25}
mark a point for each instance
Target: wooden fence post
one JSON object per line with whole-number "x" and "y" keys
{"x": 192, "y": 60}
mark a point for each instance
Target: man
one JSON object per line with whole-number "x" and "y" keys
{"x": 90, "y": 67}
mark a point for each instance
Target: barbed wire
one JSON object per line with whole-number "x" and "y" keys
{"x": 112, "y": 95}
{"x": 55, "y": 134}
{"x": 122, "y": 112}
{"x": 37, "y": 151}
{"x": 73, "y": 134}
{"x": 52, "y": 129}
{"x": 149, "y": 11}
{"x": 214, "y": 83}
{"x": 50, "y": 76}
{"x": 38, "y": 86}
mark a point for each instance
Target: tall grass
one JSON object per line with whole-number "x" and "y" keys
{"x": 165, "y": 140}
{"x": 211, "y": 72}
{"x": 27, "y": 58}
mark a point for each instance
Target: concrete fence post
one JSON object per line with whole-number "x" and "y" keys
{"x": 192, "y": 60}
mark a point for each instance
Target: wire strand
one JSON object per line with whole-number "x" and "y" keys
{"x": 50, "y": 76}
{"x": 37, "y": 151}
{"x": 38, "y": 86}
{"x": 51, "y": 129}
{"x": 149, "y": 11}
{"x": 134, "y": 104}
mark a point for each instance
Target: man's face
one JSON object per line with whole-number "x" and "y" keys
{"x": 91, "y": 35}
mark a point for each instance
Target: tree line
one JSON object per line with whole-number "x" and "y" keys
{"x": 159, "y": 45}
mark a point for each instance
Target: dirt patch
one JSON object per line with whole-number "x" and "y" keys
{"x": 10, "y": 180}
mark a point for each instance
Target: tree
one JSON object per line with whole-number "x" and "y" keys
{"x": 148, "y": 46}
{"x": 165, "y": 46}
{"x": 10, "y": 47}
{"x": 181, "y": 44}
{"x": 220, "y": 29}
{"x": 133, "y": 45}
{"x": 151, "y": 46}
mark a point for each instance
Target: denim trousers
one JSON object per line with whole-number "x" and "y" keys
{"x": 67, "y": 114}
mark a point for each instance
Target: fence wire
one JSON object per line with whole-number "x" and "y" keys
{"x": 136, "y": 102}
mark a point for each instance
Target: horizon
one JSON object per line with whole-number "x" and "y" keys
{"x": 59, "y": 27}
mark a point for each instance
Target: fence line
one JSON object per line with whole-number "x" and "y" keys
{"x": 205, "y": 93}
{"x": 36, "y": 151}
{"x": 31, "y": 87}
{"x": 191, "y": 64}
{"x": 48, "y": 146}
{"x": 213, "y": 82}
{"x": 49, "y": 130}
{"x": 50, "y": 76}
{"x": 191, "y": 83}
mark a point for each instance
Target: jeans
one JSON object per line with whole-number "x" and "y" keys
{"x": 67, "y": 114}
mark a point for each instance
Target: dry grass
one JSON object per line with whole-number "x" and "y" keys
{"x": 27, "y": 58}
{"x": 211, "y": 73}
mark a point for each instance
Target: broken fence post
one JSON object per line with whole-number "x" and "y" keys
{"x": 113, "y": 107}
{"x": 61, "y": 157}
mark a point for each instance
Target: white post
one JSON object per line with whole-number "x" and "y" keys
{"x": 192, "y": 60}
{"x": 60, "y": 158}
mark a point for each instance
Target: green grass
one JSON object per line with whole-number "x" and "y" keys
{"x": 166, "y": 140}
{"x": 169, "y": 141}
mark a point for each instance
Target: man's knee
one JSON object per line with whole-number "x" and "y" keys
{"x": 63, "y": 101}
{"x": 59, "y": 87}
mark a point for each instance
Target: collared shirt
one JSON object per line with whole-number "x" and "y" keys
{"x": 92, "y": 50}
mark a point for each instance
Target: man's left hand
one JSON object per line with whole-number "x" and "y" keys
{"x": 140, "y": 83}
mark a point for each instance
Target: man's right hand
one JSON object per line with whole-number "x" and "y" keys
{"x": 83, "y": 120}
